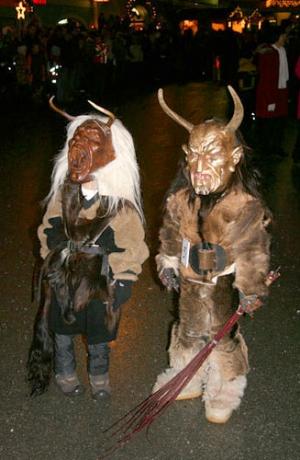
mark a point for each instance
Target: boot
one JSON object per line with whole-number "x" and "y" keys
{"x": 98, "y": 366}
{"x": 65, "y": 366}
{"x": 69, "y": 385}
{"x": 100, "y": 387}
{"x": 192, "y": 390}
{"x": 220, "y": 408}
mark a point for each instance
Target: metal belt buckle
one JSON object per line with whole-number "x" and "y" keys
{"x": 207, "y": 257}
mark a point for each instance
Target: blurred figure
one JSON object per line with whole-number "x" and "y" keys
{"x": 101, "y": 68}
{"x": 247, "y": 81}
{"x": 229, "y": 57}
{"x": 271, "y": 103}
{"x": 22, "y": 71}
{"x": 37, "y": 66}
{"x": 136, "y": 61}
{"x": 296, "y": 150}
{"x": 67, "y": 75}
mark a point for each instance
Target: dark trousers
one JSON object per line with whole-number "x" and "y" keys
{"x": 270, "y": 133}
{"x": 296, "y": 149}
{"x": 65, "y": 361}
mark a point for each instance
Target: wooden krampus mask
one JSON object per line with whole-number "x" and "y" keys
{"x": 90, "y": 147}
{"x": 213, "y": 150}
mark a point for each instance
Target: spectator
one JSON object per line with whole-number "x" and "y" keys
{"x": 37, "y": 70}
{"x": 296, "y": 150}
{"x": 271, "y": 91}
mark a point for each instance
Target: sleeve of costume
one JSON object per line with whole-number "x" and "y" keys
{"x": 51, "y": 231}
{"x": 130, "y": 236}
{"x": 170, "y": 239}
{"x": 252, "y": 249}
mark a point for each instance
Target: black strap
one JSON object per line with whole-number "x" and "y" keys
{"x": 94, "y": 249}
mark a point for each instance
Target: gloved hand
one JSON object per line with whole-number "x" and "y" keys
{"x": 169, "y": 279}
{"x": 251, "y": 303}
{"x": 122, "y": 292}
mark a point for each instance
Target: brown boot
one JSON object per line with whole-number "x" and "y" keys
{"x": 100, "y": 386}
{"x": 69, "y": 385}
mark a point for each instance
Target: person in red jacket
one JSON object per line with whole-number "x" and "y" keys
{"x": 271, "y": 104}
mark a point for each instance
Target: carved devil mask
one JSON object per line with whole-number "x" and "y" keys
{"x": 212, "y": 152}
{"x": 91, "y": 146}
{"x": 89, "y": 149}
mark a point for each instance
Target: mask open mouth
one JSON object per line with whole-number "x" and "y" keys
{"x": 79, "y": 164}
{"x": 205, "y": 183}
{"x": 202, "y": 182}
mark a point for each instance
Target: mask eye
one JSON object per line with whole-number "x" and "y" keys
{"x": 217, "y": 161}
{"x": 192, "y": 158}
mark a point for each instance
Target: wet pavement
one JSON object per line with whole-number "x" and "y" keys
{"x": 51, "y": 427}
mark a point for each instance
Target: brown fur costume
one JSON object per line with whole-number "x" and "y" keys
{"x": 235, "y": 218}
{"x": 92, "y": 246}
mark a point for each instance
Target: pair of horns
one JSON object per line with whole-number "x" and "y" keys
{"x": 233, "y": 124}
{"x": 111, "y": 116}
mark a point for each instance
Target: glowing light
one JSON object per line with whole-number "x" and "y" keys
{"x": 189, "y": 24}
{"x": 139, "y": 12}
{"x": 282, "y": 3}
{"x": 236, "y": 20}
{"x": 20, "y": 11}
{"x": 218, "y": 26}
{"x": 236, "y": 15}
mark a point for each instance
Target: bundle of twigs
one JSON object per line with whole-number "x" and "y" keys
{"x": 144, "y": 414}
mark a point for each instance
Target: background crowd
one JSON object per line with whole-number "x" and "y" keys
{"x": 105, "y": 64}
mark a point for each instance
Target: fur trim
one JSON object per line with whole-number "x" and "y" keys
{"x": 224, "y": 381}
{"x": 229, "y": 395}
{"x": 119, "y": 180}
{"x": 179, "y": 358}
{"x": 192, "y": 390}
{"x": 164, "y": 261}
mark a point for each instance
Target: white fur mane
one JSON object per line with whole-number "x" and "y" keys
{"x": 119, "y": 180}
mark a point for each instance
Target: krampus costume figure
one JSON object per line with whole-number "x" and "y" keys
{"x": 213, "y": 242}
{"x": 92, "y": 244}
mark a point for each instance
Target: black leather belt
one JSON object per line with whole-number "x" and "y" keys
{"x": 207, "y": 257}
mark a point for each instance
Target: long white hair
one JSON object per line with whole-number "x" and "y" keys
{"x": 119, "y": 180}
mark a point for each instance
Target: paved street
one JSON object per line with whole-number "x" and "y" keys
{"x": 52, "y": 427}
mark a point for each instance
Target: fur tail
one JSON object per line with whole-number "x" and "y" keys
{"x": 113, "y": 315}
{"x": 39, "y": 364}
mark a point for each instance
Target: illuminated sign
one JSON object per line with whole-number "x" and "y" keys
{"x": 40, "y": 2}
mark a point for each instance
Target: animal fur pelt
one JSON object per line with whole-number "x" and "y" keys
{"x": 73, "y": 275}
{"x": 237, "y": 219}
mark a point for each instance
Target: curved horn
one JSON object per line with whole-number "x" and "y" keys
{"x": 62, "y": 112}
{"x": 238, "y": 114}
{"x": 186, "y": 124}
{"x": 106, "y": 112}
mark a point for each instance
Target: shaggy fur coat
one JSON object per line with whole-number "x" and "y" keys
{"x": 237, "y": 221}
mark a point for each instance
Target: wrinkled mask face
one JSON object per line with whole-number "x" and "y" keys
{"x": 89, "y": 149}
{"x": 211, "y": 157}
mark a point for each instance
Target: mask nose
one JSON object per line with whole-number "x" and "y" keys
{"x": 200, "y": 164}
